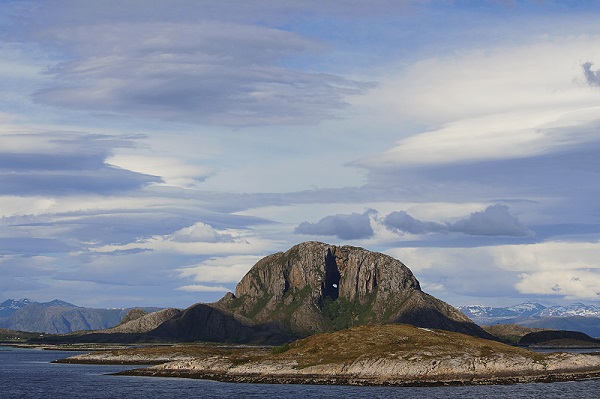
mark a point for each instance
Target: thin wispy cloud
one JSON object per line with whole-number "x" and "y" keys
{"x": 66, "y": 163}
{"x": 207, "y": 72}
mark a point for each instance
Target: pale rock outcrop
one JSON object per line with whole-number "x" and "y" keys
{"x": 138, "y": 321}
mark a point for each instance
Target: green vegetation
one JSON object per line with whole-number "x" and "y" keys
{"x": 16, "y": 336}
{"x": 258, "y": 306}
{"x": 339, "y": 312}
{"x": 197, "y": 350}
{"x": 280, "y": 349}
{"x": 343, "y": 313}
{"x": 394, "y": 341}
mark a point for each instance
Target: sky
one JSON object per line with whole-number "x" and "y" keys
{"x": 151, "y": 152}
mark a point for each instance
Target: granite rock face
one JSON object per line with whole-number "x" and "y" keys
{"x": 316, "y": 287}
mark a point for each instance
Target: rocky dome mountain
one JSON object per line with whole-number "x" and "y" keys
{"x": 311, "y": 288}
{"x": 316, "y": 287}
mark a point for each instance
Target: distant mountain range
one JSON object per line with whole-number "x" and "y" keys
{"x": 574, "y": 317}
{"x": 11, "y": 306}
{"x": 530, "y": 309}
{"x": 57, "y": 317}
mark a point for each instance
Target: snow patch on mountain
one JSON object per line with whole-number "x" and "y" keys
{"x": 529, "y": 309}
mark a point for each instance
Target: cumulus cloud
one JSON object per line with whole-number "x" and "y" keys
{"x": 403, "y": 222}
{"x": 200, "y": 232}
{"x": 347, "y": 227}
{"x": 495, "y": 220}
{"x": 570, "y": 284}
{"x": 592, "y": 77}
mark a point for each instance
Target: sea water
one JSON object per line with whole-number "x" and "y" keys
{"x": 29, "y": 373}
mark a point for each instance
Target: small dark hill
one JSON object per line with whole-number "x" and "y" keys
{"x": 558, "y": 339}
{"x": 203, "y": 322}
{"x": 12, "y": 335}
{"x": 133, "y": 314}
{"x": 510, "y": 333}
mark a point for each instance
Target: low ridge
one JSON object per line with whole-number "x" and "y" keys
{"x": 138, "y": 321}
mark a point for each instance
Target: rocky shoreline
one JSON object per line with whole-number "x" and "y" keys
{"x": 388, "y": 355}
{"x": 353, "y": 380}
{"x": 384, "y": 372}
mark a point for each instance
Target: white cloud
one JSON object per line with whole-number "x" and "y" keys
{"x": 173, "y": 171}
{"x": 227, "y": 269}
{"x": 13, "y": 205}
{"x": 574, "y": 284}
{"x": 203, "y": 288}
{"x": 200, "y": 232}
{"x": 491, "y": 104}
{"x": 198, "y": 239}
{"x": 545, "y": 256}
{"x": 568, "y": 270}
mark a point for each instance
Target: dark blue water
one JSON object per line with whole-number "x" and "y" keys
{"x": 26, "y": 373}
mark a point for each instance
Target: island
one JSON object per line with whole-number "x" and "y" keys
{"x": 387, "y": 355}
